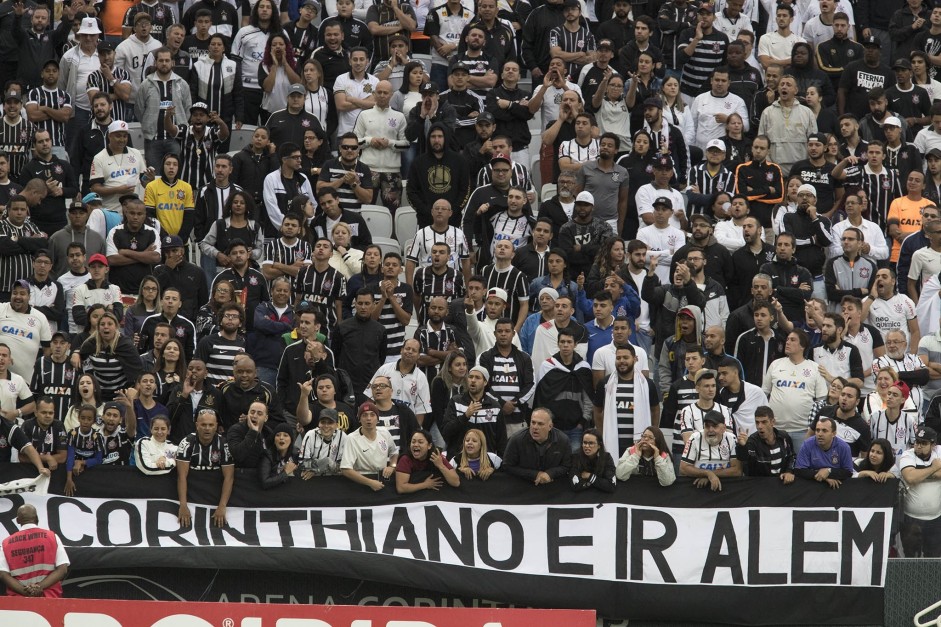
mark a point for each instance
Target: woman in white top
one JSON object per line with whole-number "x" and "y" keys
{"x": 317, "y": 100}
{"x": 877, "y": 401}
{"x": 276, "y": 73}
{"x": 920, "y": 75}
{"x": 86, "y": 391}
{"x": 613, "y": 114}
{"x": 346, "y": 259}
{"x": 155, "y": 455}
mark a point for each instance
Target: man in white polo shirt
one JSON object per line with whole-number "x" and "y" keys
{"x": 24, "y": 329}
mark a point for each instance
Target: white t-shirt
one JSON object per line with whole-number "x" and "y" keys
{"x": 12, "y": 389}
{"x": 647, "y": 194}
{"x": 358, "y": 88}
{"x": 922, "y": 501}
{"x": 888, "y": 315}
{"x": 603, "y": 359}
{"x": 792, "y": 389}
{"x": 367, "y": 456}
{"x": 24, "y": 334}
{"x": 925, "y": 264}
{"x": 410, "y": 389}
{"x": 663, "y": 243}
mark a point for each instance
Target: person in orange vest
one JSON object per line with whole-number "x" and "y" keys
{"x": 37, "y": 557}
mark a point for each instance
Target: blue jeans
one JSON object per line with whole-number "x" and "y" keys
{"x": 797, "y": 439}
{"x": 209, "y": 267}
{"x": 575, "y": 438}
{"x": 268, "y": 375}
{"x": 157, "y": 149}
{"x": 73, "y": 133}
{"x": 439, "y": 76}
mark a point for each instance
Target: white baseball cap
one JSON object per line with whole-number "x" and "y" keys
{"x": 585, "y": 197}
{"x": 89, "y": 27}
{"x": 499, "y": 292}
{"x": 118, "y": 125}
{"x": 892, "y": 121}
{"x": 716, "y": 143}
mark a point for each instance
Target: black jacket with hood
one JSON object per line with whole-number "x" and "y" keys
{"x": 431, "y": 178}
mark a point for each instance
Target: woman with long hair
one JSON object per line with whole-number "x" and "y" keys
{"x": 649, "y": 457}
{"x": 674, "y": 110}
{"x": 557, "y": 276}
{"x": 450, "y": 381}
{"x": 737, "y": 145}
{"x": 346, "y": 259}
{"x": 592, "y": 466}
{"x": 878, "y": 464}
{"x": 789, "y": 205}
{"x": 93, "y": 314}
{"x": 826, "y": 118}
{"x": 404, "y": 100}
{"x": 370, "y": 272}
{"x": 207, "y": 317}
{"x": 156, "y": 455}
{"x": 317, "y": 100}
{"x": 611, "y": 259}
{"x": 422, "y": 466}
{"x": 921, "y": 77}
{"x": 171, "y": 365}
{"x": 303, "y": 206}
{"x": 639, "y": 166}
{"x": 832, "y": 152}
{"x": 112, "y": 357}
{"x": 473, "y": 460}
{"x": 832, "y": 398}
{"x": 314, "y": 153}
{"x": 147, "y": 304}
{"x": 251, "y": 43}
{"x": 237, "y": 222}
{"x": 281, "y": 462}
{"x": 276, "y": 73}
{"x": 85, "y": 391}
{"x": 220, "y": 94}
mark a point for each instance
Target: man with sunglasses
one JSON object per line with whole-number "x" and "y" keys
{"x": 347, "y": 176}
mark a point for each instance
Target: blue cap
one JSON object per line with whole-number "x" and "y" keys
{"x": 92, "y": 197}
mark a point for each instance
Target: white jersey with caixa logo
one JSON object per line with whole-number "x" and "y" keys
{"x": 701, "y": 454}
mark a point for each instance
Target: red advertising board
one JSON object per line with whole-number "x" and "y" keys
{"x": 23, "y": 612}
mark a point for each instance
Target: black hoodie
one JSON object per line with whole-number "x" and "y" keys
{"x": 431, "y": 178}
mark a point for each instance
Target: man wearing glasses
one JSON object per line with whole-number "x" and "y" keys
{"x": 282, "y": 186}
{"x": 347, "y": 176}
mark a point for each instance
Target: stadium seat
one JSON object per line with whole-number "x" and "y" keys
{"x": 242, "y": 137}
{"x": 378, "y": 219}
{"x": 548, "y": 191}
{"x": 406, "y": 224}
{"x": 534, "y": 174}
{"x": 136, "y": 134}
{"x": 425, "y": 60}
{"x": 387, "y": 244}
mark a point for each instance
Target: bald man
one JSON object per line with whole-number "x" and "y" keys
{"x": 36, "y": 556}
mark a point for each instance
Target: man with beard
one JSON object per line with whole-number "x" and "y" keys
{"x": 59, "y": 177}
{"x": 440, "y": 173}
{"x": 836, "y": 357}
{"x": 887, "y": 310}
{"x": 742, "y": 317}
{"x": 188, "y": 397}
{"x": 910, "y": 102}
{"x": 481, "y": 200}
{"x": 718, "y": 259}
{"x": 825, "y": 457}
{"x": 707, "y": 456}
{"x": 708, "y": 178}
{"x": 394, "y": 415}
{"x": 437, "y": 339}
{"x": 743, "y": 399}
{"x": 860, "y": 77}
{"x": 281, "y": 186}
{"x": 761, "y": 181}
{"x": 479, "y": 151}
{"x": 475, "y": 409}
{"x": 617, "y": 29}
{"x": 836, "y": 53}
{"x": 560, "y": 208}
{"x": 787, "y": 124}
{"x": 793, "y": 284}
{"x": 920, "y": 468}
{"x": 607, "y": 182}
{"x": 811, "y": 233}
{"x": 625, "y": 403}
{"x": 872, "y": 125}
{"x": 219, "y": 350}
{"x": 701, "y": 53}
{"x": 347, "y": 176}
{"x": 93, "y": 139}
{"x": 767, "y": 452}
{"x": 716, "y": 307}
{"x": 793, "y": 384}
{"x": 815, "y": 170}
{"x": 583, "y": 235}
{"x": 711, "y": 109}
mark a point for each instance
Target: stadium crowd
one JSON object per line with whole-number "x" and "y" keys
{"x": 733, "y": 266}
